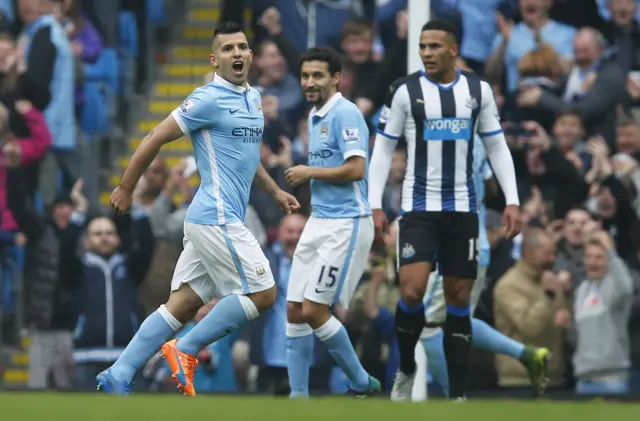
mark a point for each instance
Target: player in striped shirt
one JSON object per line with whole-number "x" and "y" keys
{"x": 439, "y": 110}
{"x": 483, "y": 336}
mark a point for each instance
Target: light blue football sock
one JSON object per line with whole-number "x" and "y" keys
{"x": 335, "y": 337}
{"x": 436, "y": 360}
{"x": 157, "y": 329}
{"x": 227, "y": 316}
{"x": 299, "y": 357}
{"x": 489, "y": 339}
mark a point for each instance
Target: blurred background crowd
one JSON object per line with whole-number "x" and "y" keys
{"x": 81, "y": 81}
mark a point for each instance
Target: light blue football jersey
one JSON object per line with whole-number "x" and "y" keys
{"x": 338, "y": 131}
{"x": 481, "y": 172}
{"x": 225, "y": 123}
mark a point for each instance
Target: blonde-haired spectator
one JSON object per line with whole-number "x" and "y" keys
{"x": 602, "y": 307}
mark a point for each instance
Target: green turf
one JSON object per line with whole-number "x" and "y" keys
{"x": 97, "y": 407}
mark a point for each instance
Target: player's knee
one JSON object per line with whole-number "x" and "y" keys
{"x": 263, "y": 300}
{"x": 413, "y": 290}
{"x": 294, "y": 313}
{"x": 412, "y": 296}
{"x": 184, "y": 303}
{"x": 315, "y": 314}
{"x": 457, "y": 291}
{"x": 413, "y": 283}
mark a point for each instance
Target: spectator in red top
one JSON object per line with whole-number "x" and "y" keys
{"x": 27, "y": 149}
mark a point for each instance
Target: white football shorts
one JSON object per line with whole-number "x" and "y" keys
{"x": 329, "y": 260}
{"x": 435, "y": 307}
{"x": 220, "y": 260}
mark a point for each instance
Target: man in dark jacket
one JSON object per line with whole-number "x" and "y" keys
{"x": 114, "y": 264}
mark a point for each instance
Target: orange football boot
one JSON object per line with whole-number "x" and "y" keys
{"x": 182, "y": 366}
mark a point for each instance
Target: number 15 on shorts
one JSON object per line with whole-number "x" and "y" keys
{"x": 474, "y": 249}
{"x": 327, "y": 279}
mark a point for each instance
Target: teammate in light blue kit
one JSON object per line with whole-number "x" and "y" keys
{"x": 333, "y": 250}
{"x": 483, "y": 336}
{"x": 220, "y": 257}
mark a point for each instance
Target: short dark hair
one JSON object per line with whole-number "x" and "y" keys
{"x": 326, "y": 54}
{"x": 226, "y": 28}
{"x": 625, "y": 120}
{"x": 442, "y": 25}
{"x": 569, "y": 111}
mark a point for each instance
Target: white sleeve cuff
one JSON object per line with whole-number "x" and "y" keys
{"x": 354, "y": 152}
{"x": 178, "y": 118}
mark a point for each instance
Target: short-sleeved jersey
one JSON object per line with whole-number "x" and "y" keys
{"x": 225, "y": 123}
{"x": 337, "y": 132}
{"x": 440, "y": 124}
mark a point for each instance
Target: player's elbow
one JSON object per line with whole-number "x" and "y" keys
{"x": 357, "y": 168}
{"x": 358, "y": 173}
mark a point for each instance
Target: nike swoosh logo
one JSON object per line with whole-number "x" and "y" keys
{"x": 234, "y": 111}
{"x": 321, "y": 291}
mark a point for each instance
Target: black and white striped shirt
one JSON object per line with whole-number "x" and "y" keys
{"x": 440, "y": 124}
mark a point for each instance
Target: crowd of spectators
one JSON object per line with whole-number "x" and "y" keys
{"x": 567, "y": 84}
{"x": 57, "y": 61}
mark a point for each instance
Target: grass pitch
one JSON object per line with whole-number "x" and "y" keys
{"x": 97, "y": 407}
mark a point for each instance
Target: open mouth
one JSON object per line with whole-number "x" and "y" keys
{"x": 237, "y": 66}
{"x": 530, "y": 10}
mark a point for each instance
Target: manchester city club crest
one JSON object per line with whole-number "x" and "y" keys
{"x": 324, "y": 131}
{"x": 258, "y": 104}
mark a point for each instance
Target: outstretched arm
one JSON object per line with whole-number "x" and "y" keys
{"x": 165, "y": 132}
{"x": 196, "y": 112}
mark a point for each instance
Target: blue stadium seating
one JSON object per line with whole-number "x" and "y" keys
{"x": 15, "y": 260}
{"x": 109, "y": 67}
{"x": 128, "y": 34}
{"x": 128, "y": 53}
{"x": 156, "y": 13}
{"x": 102, "y": 84}
{"x": 94, "y": 119}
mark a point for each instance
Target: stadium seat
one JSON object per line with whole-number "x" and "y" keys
{"x": 102, "y": 81}
{"x": 128, "y": 34}
{"x": 128, "y": 53}
{"x": 14, "y": 261}
{"x": 108, "y": 63}
{"x": 94, "y": 119}
{"x": 6, "y": 292}
{"x": 156, "y": 12}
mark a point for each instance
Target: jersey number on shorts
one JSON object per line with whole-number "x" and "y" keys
{"x": 327, "y": 276}
{"x": 474, "y": 249}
